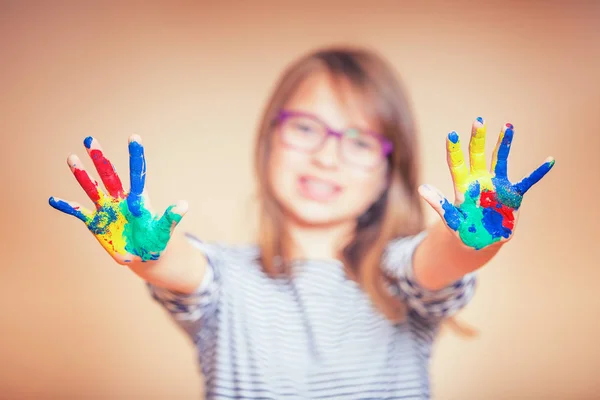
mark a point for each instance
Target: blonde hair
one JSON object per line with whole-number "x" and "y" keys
{"x": 397, "y": 213}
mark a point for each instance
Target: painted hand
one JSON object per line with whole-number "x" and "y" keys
{"x": 123, "y": 222}
{"x": 486, "y": 203}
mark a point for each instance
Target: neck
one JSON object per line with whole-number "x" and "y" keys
{"x": 320, "y": 242}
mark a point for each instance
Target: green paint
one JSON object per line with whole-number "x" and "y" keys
{"x": 471, "y": 231}
{"x": 147, "y": 236}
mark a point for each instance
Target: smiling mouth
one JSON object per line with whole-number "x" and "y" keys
{"x": 317, "y": 189}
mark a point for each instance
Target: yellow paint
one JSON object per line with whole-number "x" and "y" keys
{"x": 463, "y": 176}
{"x": 477, "y": 150}
{"x": 113, "y": 240}
{"x": 458, "y": 167}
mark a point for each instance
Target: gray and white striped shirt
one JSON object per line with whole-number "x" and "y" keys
{"x": 314, "y": 337}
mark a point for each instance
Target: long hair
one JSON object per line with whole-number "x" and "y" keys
{"x": 397, "y": 213}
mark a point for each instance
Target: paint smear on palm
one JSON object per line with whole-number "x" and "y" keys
{"x": 481, "y": 219}
{"x": 121, "y": 232}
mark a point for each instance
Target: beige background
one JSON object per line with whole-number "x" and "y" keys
{"x": 191, "y": 78}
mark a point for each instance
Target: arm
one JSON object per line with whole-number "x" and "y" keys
{"x": 181, "y": 268}
{"x": 188, "y": 284}
{"x": 430, "y": 303}
{"x": 458, "y": 259}
{"x": 127, "y": 228}
{"x": 133, "y": 235}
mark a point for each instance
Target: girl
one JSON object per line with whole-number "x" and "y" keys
{"x": 345, "y": 290}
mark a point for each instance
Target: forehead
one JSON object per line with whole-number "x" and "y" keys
{"x": 337, "y": 102}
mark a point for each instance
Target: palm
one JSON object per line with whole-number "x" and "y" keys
{"x": 122, "y": 222}
{"x": 486, "y": 203}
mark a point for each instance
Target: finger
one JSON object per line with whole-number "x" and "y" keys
{"x": 89, "y": 185}
{"x": 526, "y": 183}
{"x": 500, "y": 158}
{"x": 105, "y": 169}
{"x": 71, "y": 208}
{"x": 477, "y": 146}
{"x": 446, "y": 210}
{"x": 125, "y": 259}
{"x": 172, "y": 216}
{"x": 456, "y": 162}
{"x": 137, "y": 174}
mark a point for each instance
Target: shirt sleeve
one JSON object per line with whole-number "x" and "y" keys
{"x": 195, "y": 310}
{"x": 428, "y": 304}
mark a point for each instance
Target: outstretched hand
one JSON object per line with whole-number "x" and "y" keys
{"x": 486, "y": 203}
{"x": 122, "y": 222}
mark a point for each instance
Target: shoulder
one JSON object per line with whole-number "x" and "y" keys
{"x": 403, "y": 246}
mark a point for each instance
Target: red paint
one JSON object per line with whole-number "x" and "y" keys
{"x": 107, "y": 174}
{"x": 89, "y": 186}
{"x": 509, "y": 125}
{"x": 488, "y": 199}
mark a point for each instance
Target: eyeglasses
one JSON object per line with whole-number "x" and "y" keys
{"x": 306, "y": 132}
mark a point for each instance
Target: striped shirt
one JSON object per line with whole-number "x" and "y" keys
{"x": 314, "y": 337}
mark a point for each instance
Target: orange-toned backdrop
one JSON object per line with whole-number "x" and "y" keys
{"x": 191, "y": 78}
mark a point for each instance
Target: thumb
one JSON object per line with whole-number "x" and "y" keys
{"x": 451, "y": 216}
{"x": 173, "y": 215}
{"x": 434, "y": 198}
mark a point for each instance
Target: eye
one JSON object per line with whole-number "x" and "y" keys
{"x": 304, "y": 127}
{"x": 363, "y": 144}
{"x": 360, "y": 140}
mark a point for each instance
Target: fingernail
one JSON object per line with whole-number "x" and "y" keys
{"x": 480, "y": 120}
{"x": 88, "y": 142}
{"x": 453, "y": 137}
{"x": 509, "y": 125}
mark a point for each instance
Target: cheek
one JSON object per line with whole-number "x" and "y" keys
{"x": 363, "y": 188}
{"x": 285, "y": 166}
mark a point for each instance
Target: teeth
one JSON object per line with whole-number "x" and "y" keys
{"x": 320, "y": 187}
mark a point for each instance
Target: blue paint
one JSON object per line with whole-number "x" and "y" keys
{"x": 473, "y": 191}
{"x": 137, "y": 174}
{"x": 65, "y": 207}
{"x": 452, "y": 215}
{"x": 87, "y": 142}
{"x": 503, "y": 150}
{"x": 507, "y": 193}
{"x": 103, "y": 218}
{"x": 453, "y": 137}
{"x": 527, "y": 182}
{"x": 480, "y": 120}
{"x": 492, "y": 222}
{"x": 472, "y": 228}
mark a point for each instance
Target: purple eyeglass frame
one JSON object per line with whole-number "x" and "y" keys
{"x": 386, "y": 145}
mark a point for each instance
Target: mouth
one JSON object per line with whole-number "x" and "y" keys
{"x": 317, "y": 189}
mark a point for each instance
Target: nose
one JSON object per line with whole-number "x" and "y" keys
{"x": 327, "y": 156}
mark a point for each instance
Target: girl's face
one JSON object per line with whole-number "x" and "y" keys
{"x": 320, "y": 179}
